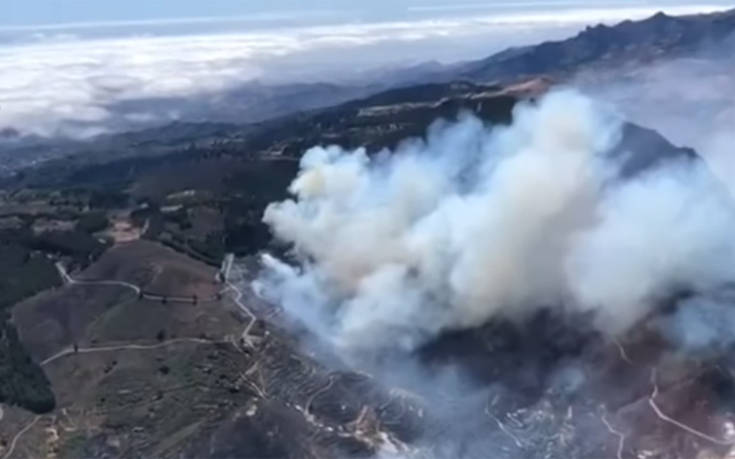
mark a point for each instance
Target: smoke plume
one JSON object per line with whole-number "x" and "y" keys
{"x": 702, "y": 325}
{"x": 479, "y": 221}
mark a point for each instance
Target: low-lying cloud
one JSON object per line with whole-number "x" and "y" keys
{"x": 63, "y": 84}
{"x": 481, "y": 222}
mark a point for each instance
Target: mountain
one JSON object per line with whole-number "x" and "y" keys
{"x": 660, "y": 36}
{"x": 139, "y": 349}
{"x": 180, "y": 204}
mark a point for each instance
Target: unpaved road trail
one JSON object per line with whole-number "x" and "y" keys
{"x": 14, "y": 442}
{"x": 124, "y": 347}
{"x": 252, "y": 319}
{"x": 70, "y": 280}
{"x": 227, "y": 266}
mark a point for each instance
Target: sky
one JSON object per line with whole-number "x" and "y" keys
{"x": 26, "y": 12}
{"x": 76, "y": 62}
{"x": 37, "y": 12}
{"x": 19, "y": 13}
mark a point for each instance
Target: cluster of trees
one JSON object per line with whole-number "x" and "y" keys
{"x": 22, "y": 381}
{"x": 78, "y": 245}
{"x": 25, "y": 269}
{"x": 92, "y": 222}
{"x": 213, "y": 245}
{"x": 209, "y": 249}
{"x": 22, "y": 274}
{"x": 108, "y": 199}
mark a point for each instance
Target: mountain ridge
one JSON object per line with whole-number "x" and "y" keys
{"x": 659, "y": 36}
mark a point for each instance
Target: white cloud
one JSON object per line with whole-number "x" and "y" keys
{"x": 67, "y": 85}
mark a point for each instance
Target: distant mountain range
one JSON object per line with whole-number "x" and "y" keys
{"x": 657, "y": 37}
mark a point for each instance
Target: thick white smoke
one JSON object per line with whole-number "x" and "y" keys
{"x": 478, "y": 222}
{"x": 667, "y": 231}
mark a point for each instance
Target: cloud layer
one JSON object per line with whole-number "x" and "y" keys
{"x": 64, "y": 84}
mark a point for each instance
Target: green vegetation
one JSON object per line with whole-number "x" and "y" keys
{"x": 22, "y": 382}
{"x": 92, "y": 222}
{"x": 105, "y": 199}
{"x": 23, "y": 274}
{"x": 212, "y": 246}
{"x": 81, "y": 247}
{"x": 25, "y": 270}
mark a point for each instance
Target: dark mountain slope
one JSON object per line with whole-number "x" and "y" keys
{"x": 653, "y": 38}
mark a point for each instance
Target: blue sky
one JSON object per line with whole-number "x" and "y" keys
{"x": 31, "y": 12}
{"x": 26, "y": 12}
{"x": 34, "y": 12}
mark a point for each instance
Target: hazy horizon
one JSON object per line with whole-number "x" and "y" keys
{"x": 96, "y": 68}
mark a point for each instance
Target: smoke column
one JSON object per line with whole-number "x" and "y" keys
{"x": 478, "y": 222}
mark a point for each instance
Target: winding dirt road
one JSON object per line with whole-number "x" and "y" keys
{"x": 14, "y": 442}
{"x": 227, "y": 267}
{"x": 238, "y": 301}
{"x": 67, "y": 279}
{"x": 123, "y": 347}
{"x": 70, "y": 280}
